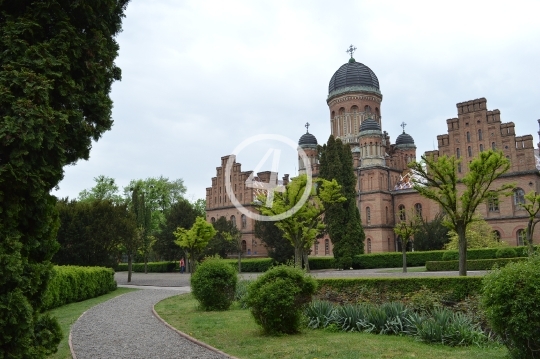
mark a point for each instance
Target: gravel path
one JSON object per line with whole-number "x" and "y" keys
{"x": 124, "y": 327}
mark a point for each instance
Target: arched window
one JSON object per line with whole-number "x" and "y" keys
{"x": 469, "y": 151}
{"x": 377, "y": 111}
{"x": 493, "y": 202}
{"x": 401, "y": 210}
{"x": 418, "y": 209}
{"x": 333, "y": 114}
{"x": 497, "y": 235}
{"x": 386, "y": 214}
{"x": 468, "y": 136}
{"x": 326, "y": 246}
{"x": 459, "y": 167}
{"x": 316, "y": 246}
{"x": 369, "y": 245}
{"x": 480, "y": 134}
{"x": 458, "y": 153}
{"x": 521, "y": 237}
{"x": 368, "y": 215}
{"x": 213, "y": 220}
{"x": 341, "y": 111}
{"x": 244, "y": 221}
{"x": 233, "y": 221}
{"x": 519, "y": 198}
{"x": 354, "y": 109}
{"x": 481, "y": 148}
{"x": 243, "y": 246}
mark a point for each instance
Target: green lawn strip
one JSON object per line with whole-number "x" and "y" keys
{"x": 236, "y": 333}
{"x": 69, "y": 313}
{"x": 400, "y": 270}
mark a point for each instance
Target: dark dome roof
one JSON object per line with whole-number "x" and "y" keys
{"x": 404, "y": 139}
{"x": 307, "y": 139}
{"x": 353, "y": 74}
{"x": 370, "y": 124}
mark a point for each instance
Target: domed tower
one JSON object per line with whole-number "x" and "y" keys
{"x": 309, "y": 144}
{"x": 371, "y": 146}
{"x": 353, "y": 97}
{"x": 404, "y": 149}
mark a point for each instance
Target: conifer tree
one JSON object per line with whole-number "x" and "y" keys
{"x": 342, "y": 219}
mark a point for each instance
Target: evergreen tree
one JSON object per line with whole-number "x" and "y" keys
{"x": 279, "y": 248}
{"x": 342, "y": 219}
{"x": 56, "y": 71}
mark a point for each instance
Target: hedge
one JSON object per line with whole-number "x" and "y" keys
{"x": 74, "y": 284}
{"x": 484, "y": 253}
{"x": 152, "y": 267}
{"x": 380, "y": 290}
{"x": 321, "y": 263}
{"x": 395, "y": 259}
{"x": 475, "y": 264}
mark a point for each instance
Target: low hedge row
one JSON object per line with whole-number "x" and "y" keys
{"x": 380, "y": 290}
{"x": 73, "y": 284}
{"x": 152, "y": 267}
{"x": 395, "y": 259}
{"x": 482, "y": 253}
{"x": 255, "y": 265}
{"x": 475, "y": 264}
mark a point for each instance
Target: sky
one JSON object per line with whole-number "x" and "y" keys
{"x": 202, "y": 78}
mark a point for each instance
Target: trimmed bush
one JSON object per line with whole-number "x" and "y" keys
{"x": 321, "y": 263}
{"x": 506, "y": 252}
{"x": 479, "y": 264}
{"x": 380, "y": 290}
{"x": 510, "y": 299}
{"x": 276, "y": 299}
{"x": 214, "y": 284}
{"x": 73, "y": 284}
{"x": 152, "y": 267}
{"x": 395, "y": 259}
{"x": 450, "y": 256}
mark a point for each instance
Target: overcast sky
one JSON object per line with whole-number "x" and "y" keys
{"x": 200, "y": 77}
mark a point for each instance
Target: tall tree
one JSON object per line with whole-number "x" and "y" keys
{"x": 222, "y": 244}
{"x": 438, "y": 180}
{"x": 195, "y": 240}
{"x": 342, "y": 219}
{"x": 56, "y": 71}
{"x": 142, "y": 215}
{"x": 432, "y": 235}
{"x": 407, "y": 225}
{"x": 302, "y": 226}
{"x": 279, "y": 248}
{"x": 105, "y": 189}
{"x": 532, "y": 206}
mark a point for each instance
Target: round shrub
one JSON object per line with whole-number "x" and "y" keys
{"x": 450, "y": 256}
{"x": 510, "y": 300}
{"x": 506, "y": 252}
{"x": 276, "y": 299}
{"x": 214, "y": 284}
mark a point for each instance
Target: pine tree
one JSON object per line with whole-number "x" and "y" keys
{"x": 342, "y": 219}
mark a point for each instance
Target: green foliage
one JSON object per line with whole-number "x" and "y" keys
{"x": 320, "y": 313}
{"x": 506, "y": 252}
{"x": 73, "y": 284}
{"x": 342, "y": 219}
{"x": 195, "y": 239}
{"x": 380, "y": 290}
{"x": 56, "y": 71}
{"x": 431, "y": 235}
{"x": 279, "y": 248}
{"x": 438, "y": 181}
{"x": 424, "y": 300}
{"x": 473, "y": 264}
{"x": 226, "y": 239}
{"x": 214, "y": 284}
{"x": 321, "y": 263}
{"x": 510, "y": 299}
{"x": 255, "y": 265}
{"x": 452, "y": 256}
{"x": 152, "y": 267}
{"x": 241, "y": 293}
{"x": 105, "y": 189}
{"x": 395, "y": 259}
{"x": 305, "y": 222}
{"x": 91, "y": 232}
{"x": 479, "y": 234}
{"x": 277, "y": 297}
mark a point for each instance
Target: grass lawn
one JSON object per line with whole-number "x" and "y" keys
{"x": 236, "y": 333}
{"x": 69, "y": 313}
{"x": 399, "y": 270}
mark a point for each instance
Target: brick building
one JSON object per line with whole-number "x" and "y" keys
{"x": 383, "y": 180}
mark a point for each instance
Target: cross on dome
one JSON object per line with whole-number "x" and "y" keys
{"x": 351, "y": 50}
{"x": 307, "y": 127}
{"x": 403, "y": 124}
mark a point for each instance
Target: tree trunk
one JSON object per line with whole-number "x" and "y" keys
{"x": 404, "y": 255}
{"x": 462, "y": 251}
{"x": 129, "y": 267}
{"x": 306, "y": 261}
{"x": 298, "y": 257}
{"x": 530, "y": 229}
{"x": 188, "y": 265}
{"x": 145, "y": 264}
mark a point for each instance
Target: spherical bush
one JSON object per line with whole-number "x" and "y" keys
{"x": 510, "y": 300}
{"x": 506, "y": 252}
{"x": 214, "y": 284}
{"x": 276, "y": 299}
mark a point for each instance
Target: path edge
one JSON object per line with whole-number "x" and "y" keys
{"x": 188, "y": 337}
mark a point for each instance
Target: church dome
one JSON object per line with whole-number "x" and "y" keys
{"x": 370, "y": 125}
{"x": 307, "y": 139}
{"x": 353, "y": 75}
{"x": 404, "y": 139}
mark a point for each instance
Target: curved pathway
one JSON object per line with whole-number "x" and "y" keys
{"x": 125, "y": 327}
